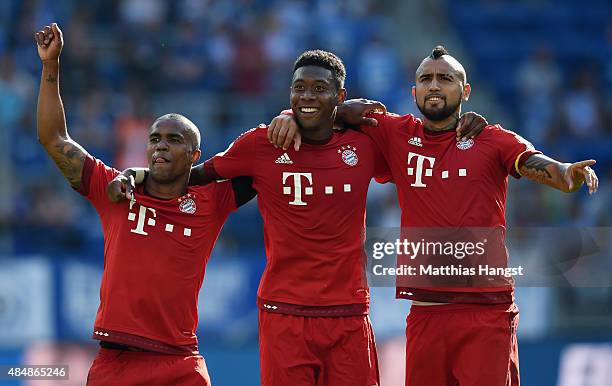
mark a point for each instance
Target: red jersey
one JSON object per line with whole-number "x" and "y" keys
{"x": 313, "y": 204}
{"x": 445, "y": 184}
{"x": 155, "y": 255}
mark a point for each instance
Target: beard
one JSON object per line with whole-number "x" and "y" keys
{"x": 440, "y": 114}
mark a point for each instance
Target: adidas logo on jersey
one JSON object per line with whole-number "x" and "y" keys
{"x": 416, "y": 141}
{"x": 284, "y": 159}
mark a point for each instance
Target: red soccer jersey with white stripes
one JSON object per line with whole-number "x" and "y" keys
{"x": 313, "y": 203}
{"x": 155, "y": 255}
{"x": 445, "y": 184}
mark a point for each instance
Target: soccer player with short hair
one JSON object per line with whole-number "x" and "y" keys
{"x": 457, "y": 336}
{"x": 155, "y": 246}
{"x": 313, "y": 296}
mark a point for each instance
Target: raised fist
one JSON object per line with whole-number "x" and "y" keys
{"x": 50, "y": 42}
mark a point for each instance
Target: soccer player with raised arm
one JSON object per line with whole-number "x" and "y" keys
{"x": 456, "y": 336}
{"x": 155, "y": 246}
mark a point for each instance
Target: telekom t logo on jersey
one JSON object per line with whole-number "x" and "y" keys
{"x": 297, "y": 181}
{"x": 142, "y": 216}
{"x": 420, "y": 159}
{"x": 297, "y": 186}
{"x": 425, "y": 164}
{"x": 150, "y": 221}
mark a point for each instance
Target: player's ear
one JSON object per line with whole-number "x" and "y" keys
{"x": 195, "y": 156}
{"x": 414, "y": 93}
{"x": 341, "y": 96}
{"x": 467, "y": 89}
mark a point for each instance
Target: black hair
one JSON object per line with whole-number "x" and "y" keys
{"x": 326, "y": 60}
{"x": 438, "y": 51}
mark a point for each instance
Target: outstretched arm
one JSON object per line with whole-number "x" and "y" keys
{"x": 68, "y": 155}
{"x": 567, "y": 177}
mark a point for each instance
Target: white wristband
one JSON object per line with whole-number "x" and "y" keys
{"x": 140, "y": 175}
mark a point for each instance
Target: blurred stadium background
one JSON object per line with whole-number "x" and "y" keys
{"x": 541, "y": 68}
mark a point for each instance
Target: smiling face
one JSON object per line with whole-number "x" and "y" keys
{"x": 171, "y": 150}
{"x": 440, "y": 88}
{"x": 314, "y": 97}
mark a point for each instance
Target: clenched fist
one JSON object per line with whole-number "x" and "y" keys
{"x": 50, "y": 42}
{"x": 121, "y": 188}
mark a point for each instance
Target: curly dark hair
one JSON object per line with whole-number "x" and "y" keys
{"x": 326, "y": 60}
{"x": 438, "y": 51}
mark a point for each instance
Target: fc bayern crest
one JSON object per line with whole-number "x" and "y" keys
{"x": 348, "y": 155}
{"x": 465, "y": 144}
{"x": 187, "y": 204}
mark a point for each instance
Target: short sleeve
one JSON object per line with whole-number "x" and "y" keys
{"x": 379, "y": 133}
{"x": 239, "y": 158}
{"x": 384, "y": 178}
{"x": 94, "y": 179}
{"x": 223, "y": 197}
{"x": 382, "y": 172}
{"x": 388, "y": 124}
{"x": 513, "y": 149}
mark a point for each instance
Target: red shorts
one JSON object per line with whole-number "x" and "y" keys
{"x": 131, "y": 368}
{"x": 462, "y": 344}
{"x": 317, "y": 351}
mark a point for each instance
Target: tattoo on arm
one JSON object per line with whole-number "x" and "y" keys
{"x": 69, "y": 158}
{"x": 51, "y": 79}
{"x": 537, "y": 164}
{"x": 544, "y": 170}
